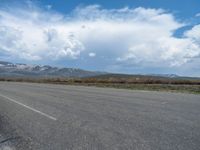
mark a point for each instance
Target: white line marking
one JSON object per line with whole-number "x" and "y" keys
{"x": 28, "y": 107}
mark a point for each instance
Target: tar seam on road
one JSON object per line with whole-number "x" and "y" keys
{"x": 28, "y": 107}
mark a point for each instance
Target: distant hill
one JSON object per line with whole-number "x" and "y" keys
{"x": 135, "y": 76}
{"x": 142, "y": 79}
{"x": 8, "y": 69}
{"x": 147, "y": 76}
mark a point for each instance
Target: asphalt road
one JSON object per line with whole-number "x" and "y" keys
{"x": 59, "y": 117}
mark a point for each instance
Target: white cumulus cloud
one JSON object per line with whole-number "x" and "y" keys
{"x": 194, "y": 34}
{"x": 126, "y": 36}
{"x": 197, "y": 15}
{"x": 92, "y": 54}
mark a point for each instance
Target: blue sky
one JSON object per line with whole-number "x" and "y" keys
{"x": 126, "y": 36}
{"x": 184, "y": 8}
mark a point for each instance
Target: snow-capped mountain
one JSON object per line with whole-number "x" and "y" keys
{"x": 8, "y": 69}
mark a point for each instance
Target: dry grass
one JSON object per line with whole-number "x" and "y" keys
{"x": 135, "y": 83}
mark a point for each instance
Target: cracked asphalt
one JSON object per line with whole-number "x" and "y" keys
{"x": 59, "y": 117}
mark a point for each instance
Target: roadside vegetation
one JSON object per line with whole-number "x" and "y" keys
{"x": 134, "y": 82}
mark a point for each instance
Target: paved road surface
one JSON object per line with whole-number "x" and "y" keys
{"x": 58, "y": 117}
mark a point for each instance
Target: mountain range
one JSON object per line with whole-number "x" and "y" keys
{"x": 8, "y": 69}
